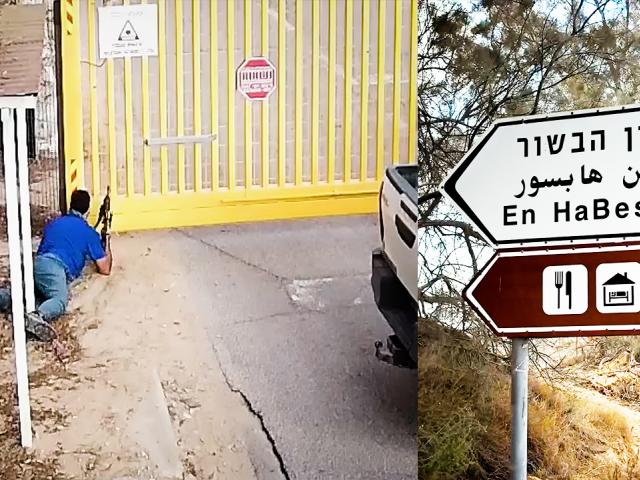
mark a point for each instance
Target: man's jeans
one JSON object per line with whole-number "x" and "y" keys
{"x": 51, "y": 286}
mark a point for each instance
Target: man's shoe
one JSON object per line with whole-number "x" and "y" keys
{"x": 36, "y": 325}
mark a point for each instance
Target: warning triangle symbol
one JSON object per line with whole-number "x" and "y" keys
{"x": 128, "y": 32}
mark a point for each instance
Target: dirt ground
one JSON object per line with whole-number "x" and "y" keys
{"x": 141, "y": 395}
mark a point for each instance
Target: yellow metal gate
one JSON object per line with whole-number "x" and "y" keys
{"x": 345, "y": 106}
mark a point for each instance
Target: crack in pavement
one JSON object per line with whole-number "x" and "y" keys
{"x": 232, "y": 256}
{"x": 283, "y": 281}
{"x": 258, "y": 416}
{"x": 251, "y": 408}
{"x": 265, "y": 430}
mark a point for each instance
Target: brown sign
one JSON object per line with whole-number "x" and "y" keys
{"x": 561, "y": 292}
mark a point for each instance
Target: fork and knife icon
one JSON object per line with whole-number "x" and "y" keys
{"x": 563, "y": 279}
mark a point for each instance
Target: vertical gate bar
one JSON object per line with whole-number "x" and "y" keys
{"x": 331, "y": 97}
{"x": 197, "y": 125}
{"x": 72, "y": 95}
{"x": 264, "y": 141}
{"x": 162, "y": 94}
{"x": 397, "y": 63}
{"x": 146, "y": 152}
{"x": 380, "y": 110}
{"x": 111, "y": 118}
{"x": 298, "y": 101}
{"x": 282, "y": 75}
{"x": 364, "y": 91}
{"x": 315, "y": 88}
{"x": 348, "y": 74}
{"x": 128, "y": 120}
{"x": 61, "y": 170}
{"x": 231, "y": 120}
{"x": 128, "y": 126}
{"x": 17, "y": 306}
{"x": 179, "y": 93}
{"x": 213, "y": 77}
{"x": 93, "y": 114}
{"x": 413, "y": 84}
{"x": 248, "y": 140}
{"x": 128, "y": 123}
{"x": 25, "y": 209}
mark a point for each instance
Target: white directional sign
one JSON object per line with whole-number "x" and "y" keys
{"x": 552, "y": 179}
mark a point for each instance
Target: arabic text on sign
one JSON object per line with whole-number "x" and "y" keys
{"x": 536, "y": 184}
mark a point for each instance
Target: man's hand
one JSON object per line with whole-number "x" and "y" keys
{"x": 104, "y": 264}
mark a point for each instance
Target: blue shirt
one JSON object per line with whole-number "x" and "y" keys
{"x": 72, "y": 240}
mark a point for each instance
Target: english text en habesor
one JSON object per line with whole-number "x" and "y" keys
{"x": 565, "y": 212}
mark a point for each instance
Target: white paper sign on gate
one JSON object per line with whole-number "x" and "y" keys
{"x": 128, "y": 31}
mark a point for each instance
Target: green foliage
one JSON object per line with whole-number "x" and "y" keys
{"x": 447, "y": 451}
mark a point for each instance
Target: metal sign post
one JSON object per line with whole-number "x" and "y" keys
{"x": 519, "y": 399}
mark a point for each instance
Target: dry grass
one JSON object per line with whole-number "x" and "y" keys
{"x": 15, "y": 462}
{"x": 611, "y": 367}
{"x": 66, "y": 327}
{"x": 572, "y": 437}
{"x": 607, "y": 348}
{"x": 464, "y": 421}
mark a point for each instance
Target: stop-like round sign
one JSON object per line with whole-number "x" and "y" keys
{"x": 256, "y": 78}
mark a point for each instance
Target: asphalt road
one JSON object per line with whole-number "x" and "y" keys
{"x": 292, "y": 320}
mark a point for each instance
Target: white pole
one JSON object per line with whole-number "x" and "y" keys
{"x": 519, "y": 400}
{"x": 25, "y": 209}
{"x": 15, "y": 268}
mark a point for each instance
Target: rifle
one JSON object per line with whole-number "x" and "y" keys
{"x": 105, "y": 216}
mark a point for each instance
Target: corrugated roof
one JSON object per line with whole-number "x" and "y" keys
{"x": 21, "y": 42}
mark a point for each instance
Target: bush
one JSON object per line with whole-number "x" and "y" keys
{"x": 464, "y": 420}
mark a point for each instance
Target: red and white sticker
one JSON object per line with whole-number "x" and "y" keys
{"x": 256, "y": 78}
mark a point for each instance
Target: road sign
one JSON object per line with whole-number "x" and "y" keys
{"x": 564, "y": 292}
{"x": 553, "y": 179}
{"x": 256, "y": 78}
